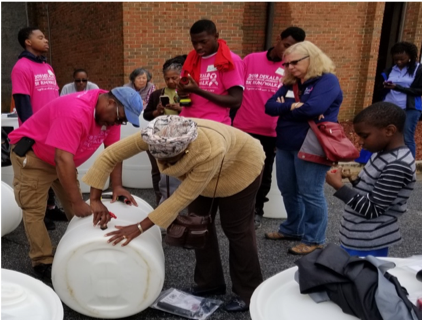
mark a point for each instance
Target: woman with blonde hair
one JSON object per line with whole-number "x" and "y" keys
{"x": 309, "y": 72}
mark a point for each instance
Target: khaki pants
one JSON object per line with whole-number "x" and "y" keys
{"x": 32, "y": 179}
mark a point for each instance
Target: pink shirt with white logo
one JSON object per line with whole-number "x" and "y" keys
{"x": 36, "y": 80}
{"x": 262, "y": 80}
{"x": 217, "y": 82}
{"x": 67, "y": 123}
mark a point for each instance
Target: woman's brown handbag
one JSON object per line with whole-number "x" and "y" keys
{"x": 190, "y": 231}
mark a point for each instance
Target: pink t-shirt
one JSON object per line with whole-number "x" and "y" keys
{"x": 262, "y": 80}
{"x": 36, "y": 80}
{"x": 217, "y": 82}
{"x": 67, "y": 123}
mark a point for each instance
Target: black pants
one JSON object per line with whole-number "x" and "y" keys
{"x": 269, "y": 144}
{"x": 237, "y": 222}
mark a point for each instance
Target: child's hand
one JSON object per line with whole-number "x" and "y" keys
{"x": 334, "y": 179}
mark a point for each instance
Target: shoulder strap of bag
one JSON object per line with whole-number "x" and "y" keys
{"x": 218, "y": 177}
{"x": 312, "y": 123}
{"x": 296, "y": 93}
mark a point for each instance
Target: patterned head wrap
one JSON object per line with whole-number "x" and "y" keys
{"x": 169, "y": 135}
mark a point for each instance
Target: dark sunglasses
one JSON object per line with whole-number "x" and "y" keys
{"x": 293, "y": 63}
{"x": 81, "y": 80}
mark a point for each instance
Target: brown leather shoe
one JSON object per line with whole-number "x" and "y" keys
{"x": 303, "y": 249}
{"x": 279, "y": 236}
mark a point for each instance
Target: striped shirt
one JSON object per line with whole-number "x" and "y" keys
{"x": 378, "y": 197}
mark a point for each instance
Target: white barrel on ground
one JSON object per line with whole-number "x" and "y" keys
{"x": 7, "y": 172}
{"x": 24, "y": 297}
{"x": 11, "y": 214}
{"x": 136, "y": 170}
{"x": 84, "y": 167}
{"x": 274, "y": 208}
{"x": 104, "y": 281}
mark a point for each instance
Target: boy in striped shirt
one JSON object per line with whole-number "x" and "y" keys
{"x": 379, "y": 195}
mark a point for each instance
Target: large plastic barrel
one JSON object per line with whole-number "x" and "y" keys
{"x": 9, "y": 123}
{"x": 84, "y": 167}
{"x": 136, "y": 170}
{"x": 11, "y": 214}
{"x": 103, "y": 281}
{"x": 23, "y": 297}
{"x": 274, "y": 208}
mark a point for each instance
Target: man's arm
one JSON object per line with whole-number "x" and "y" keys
{"x": 232, "y": 100}
{"x": 66, "y": 171}
{"x": 23, "y": 106}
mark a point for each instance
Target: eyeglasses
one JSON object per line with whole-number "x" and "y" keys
{"x": 81, "y": 80}
{"x": 122, "y": 122}
{"x": 293, "y": 63}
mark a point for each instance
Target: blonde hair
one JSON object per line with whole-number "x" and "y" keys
{"x": 319, "y": 62}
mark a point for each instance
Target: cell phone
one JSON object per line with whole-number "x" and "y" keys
{"x": 184, "y": 78}
{"x": 23, "y": 146}
{"x": 165, "y": 100}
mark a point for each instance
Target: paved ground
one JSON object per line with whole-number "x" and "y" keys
{"x": 180, "y": 263}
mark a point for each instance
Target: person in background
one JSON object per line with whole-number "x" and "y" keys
{"x": 80, "y": 83}
{"x": 311, "y": 72}
{"x": 194, "y": 151}
{"x": 379, "y": 195}
{"x": 403, "y": 87}
{"x": 140, "y": 81}
{"x": 263, "y": 75}
{"x": 214, "y": 75}
{"x": 171, "y": 73}
{"x": 33, "y": 86}
{"x": 49, "y": 146}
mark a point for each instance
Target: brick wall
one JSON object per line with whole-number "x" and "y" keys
{"x": 155, "y": 32}
{"x": 412, "y": 31}
{"x": 84, "y": 35}
{"x": 112, "y": 39}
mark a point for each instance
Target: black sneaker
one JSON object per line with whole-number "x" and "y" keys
{"x": 43, "y": 272}
{"x": 50, "y": 225}
{"x": 55, "y": 214}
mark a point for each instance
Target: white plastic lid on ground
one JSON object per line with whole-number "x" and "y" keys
{"x": 24, "y": 298}
{"x": 279, "y": 297}
{"x": 11, "y": 214}
{"x": 104, "y": 281}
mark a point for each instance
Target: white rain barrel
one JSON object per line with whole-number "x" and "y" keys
{"x": 104, "y": 281}
{"x": 11, "y": 214}
{"x": 274, "y": 208}
{"x": 84, "y": 167}
{"x": 24, "y": 297}
{"x": 7, "y": 172}
{"x": 136, "y": 170}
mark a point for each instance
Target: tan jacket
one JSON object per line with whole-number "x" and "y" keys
{"x": 198, "y": 170}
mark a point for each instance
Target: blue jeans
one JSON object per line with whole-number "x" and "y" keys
{"x": 302, "y": 186}
{"x": 412, "y": 118}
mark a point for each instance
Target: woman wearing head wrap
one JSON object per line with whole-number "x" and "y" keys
{"x": 194, "y": 151}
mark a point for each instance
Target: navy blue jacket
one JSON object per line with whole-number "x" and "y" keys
{"x": 320, "y": 95}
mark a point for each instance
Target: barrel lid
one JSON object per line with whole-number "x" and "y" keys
{"x": 24, "y": 297}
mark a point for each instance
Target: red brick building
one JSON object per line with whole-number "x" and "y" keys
{"x": 110, "y": 39}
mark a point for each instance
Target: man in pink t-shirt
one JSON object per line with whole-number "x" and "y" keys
{"x": 213, "y": 90}
{"x": 263, "y": 75}
{"x": 33, "y": 86}
{"x": 49, "y": 146}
